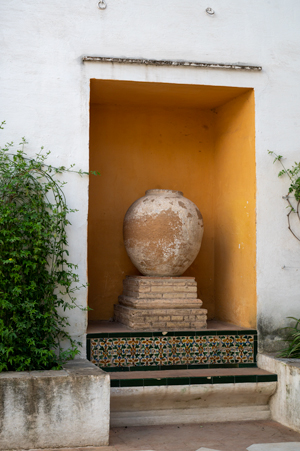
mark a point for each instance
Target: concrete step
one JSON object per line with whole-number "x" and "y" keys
{"x": 141, "y": 398}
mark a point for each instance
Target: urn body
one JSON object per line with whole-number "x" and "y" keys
{"x": 162, "y": 233}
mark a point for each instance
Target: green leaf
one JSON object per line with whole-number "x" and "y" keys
{"x": 35, "y": 274}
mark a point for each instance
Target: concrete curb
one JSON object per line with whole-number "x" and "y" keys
{"x": 53, "y": 409}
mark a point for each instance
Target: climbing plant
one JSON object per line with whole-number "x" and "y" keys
{"x": 293, "y": 340}
{"x": 292, "y": 333}
{"x": 293, "y": 195}
{"x": 36, "y": 277}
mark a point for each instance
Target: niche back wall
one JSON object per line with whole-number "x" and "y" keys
{"x": 153, "y": 135}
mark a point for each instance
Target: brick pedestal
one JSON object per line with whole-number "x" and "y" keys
{"x": 160, "y": 303}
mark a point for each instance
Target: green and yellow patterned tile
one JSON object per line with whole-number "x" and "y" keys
{"x": 227, "y": 341}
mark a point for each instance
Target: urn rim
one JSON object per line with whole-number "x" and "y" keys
{"x": 169, "y": 192}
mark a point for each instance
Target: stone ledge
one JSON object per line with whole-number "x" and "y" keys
{"x": 154, "y": 62}
{"x": 53, "y": 409}
{"x": 154, "y": 278}
{"x": 285, "y": 407}
{"x": 146, "y": 304}
{"x": 148, "y": 313}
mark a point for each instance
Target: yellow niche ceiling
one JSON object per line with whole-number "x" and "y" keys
{"x": 196, "y": 139}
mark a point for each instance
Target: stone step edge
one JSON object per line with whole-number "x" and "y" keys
{"x": 160, "y": 295}
{"x": 145, "y": 413}
{"x": 150, "y": 304}
{"x": 139, "y": 313}
{"x": 176, "y": 278}
{"x": 190, "y": 416}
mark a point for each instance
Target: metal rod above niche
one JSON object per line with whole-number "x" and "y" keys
{"x": 153, "y": 62}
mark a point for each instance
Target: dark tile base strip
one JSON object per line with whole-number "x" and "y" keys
{"x": 88, "y": 350}
{"x": 192, "y": 333}
{"x": 193, "y": 380}
{"x": 112, "y": 369}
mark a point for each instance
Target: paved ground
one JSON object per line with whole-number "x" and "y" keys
{"x": 219, "y": 436}
{"x": 233, "y": 436}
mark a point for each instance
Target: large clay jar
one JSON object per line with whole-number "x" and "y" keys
{"x": 162, "y": 233}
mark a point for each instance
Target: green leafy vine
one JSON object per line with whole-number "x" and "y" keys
{"x": 293, "y": 340}
{"x": 293, "y": 191}
{"x": 36, "y": 277}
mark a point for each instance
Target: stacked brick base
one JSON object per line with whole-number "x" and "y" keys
{"x": 160, "y": 303}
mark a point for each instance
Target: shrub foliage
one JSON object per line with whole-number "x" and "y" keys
{"x": 293, "y": 340}
{"x": 35, "y": 276}
{"x": 293, "y": 195}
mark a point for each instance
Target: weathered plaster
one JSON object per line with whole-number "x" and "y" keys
{"x": 52, "y": 409}
{"x": 284, "y": 404}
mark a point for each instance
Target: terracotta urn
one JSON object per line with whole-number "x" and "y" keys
{"x": 162, "y": 233}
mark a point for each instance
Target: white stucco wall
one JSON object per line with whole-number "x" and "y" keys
{"x": 44, "y": 96}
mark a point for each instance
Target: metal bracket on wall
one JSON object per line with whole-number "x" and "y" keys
{"x": 102, "y": 4}
{"x": 152, "y": 62}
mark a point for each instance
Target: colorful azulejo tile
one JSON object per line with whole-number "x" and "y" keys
{"x": 156, "y": 351}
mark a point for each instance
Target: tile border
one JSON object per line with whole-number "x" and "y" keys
{"x": 116, "y": 369}
{"x": 155, "y": 350}
{"x": 193, "y": 380}
{"x": 182, "y": 333}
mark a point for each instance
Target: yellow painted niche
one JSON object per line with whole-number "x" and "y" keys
{"x": 152, "y": 135}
